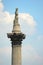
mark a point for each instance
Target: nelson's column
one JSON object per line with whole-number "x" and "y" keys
{"x": 16, "y": 40}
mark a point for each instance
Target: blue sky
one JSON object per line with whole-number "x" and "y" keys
{"x": 31, "y": 21}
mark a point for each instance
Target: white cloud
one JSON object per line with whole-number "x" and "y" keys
{"x": 30, "y": 56}
{"x": 5, "y": 56}
{"x": 40, "y": 37}
{"x": 1, "y": 6}
{"x": 6, "y": 17}
{"x": 6, "y": 51}
{"x": 31, "y": 24}
{"x": 29, "y": 53}
{"x": 26, "y": 18}
{"x": 0, "y": 61}
{"x": 0, "y": 0}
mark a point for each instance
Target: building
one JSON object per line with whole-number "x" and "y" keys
{"x": 16, "y": 40}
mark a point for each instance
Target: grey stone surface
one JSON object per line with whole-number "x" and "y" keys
{"x": 16, "y": 26}
{"x": 16, "y": 55}
{"x": 16, "y": 39}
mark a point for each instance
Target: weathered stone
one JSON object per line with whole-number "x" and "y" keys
{"x": 16, "y": 39}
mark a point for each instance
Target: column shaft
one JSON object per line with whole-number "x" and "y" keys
{"x": 16, "y": 54}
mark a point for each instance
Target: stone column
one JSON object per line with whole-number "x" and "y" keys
{"x": 16, "y": 38}
{"x": 16, "y": 54}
